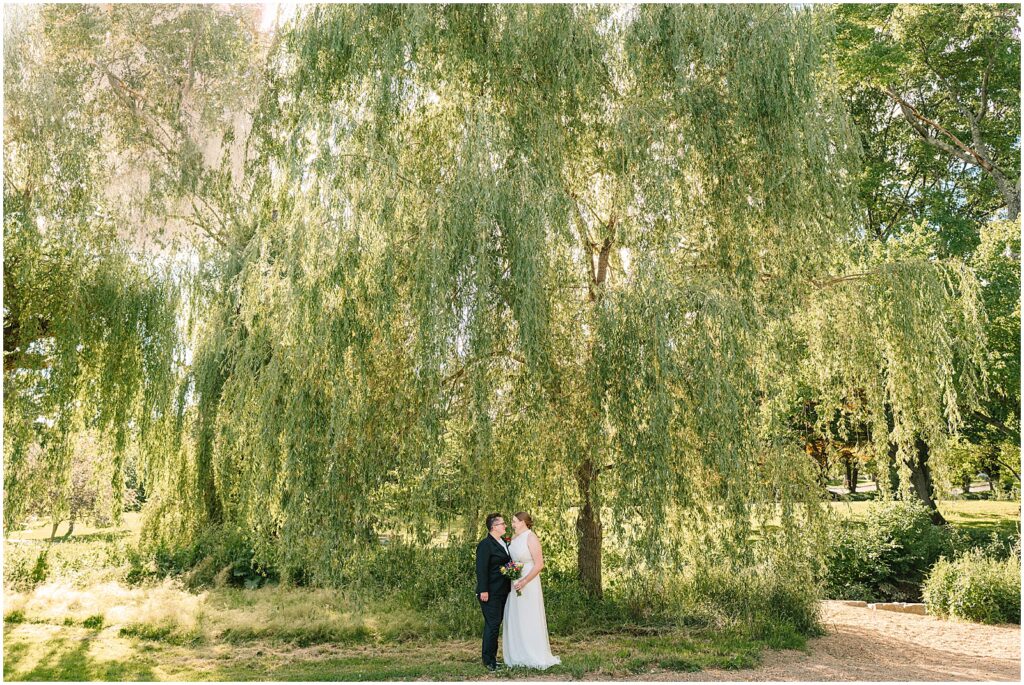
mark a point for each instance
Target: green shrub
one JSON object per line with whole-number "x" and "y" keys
{"x": 95, "y": 622}
{"x": 138, "y": 566}
{"x": 770, "y": 603}
{"x": 975, "y": 587}
{"x": 852, "y": 566}
{"x": 41, "y": 569}
{"x": 18, "y": 563}
{"x": 14, "y": 617}
{"x": 168, "y": 633}
{"x": 399, "y": 592}
{"x": 908, "y": 540}
{"x": 994, "y": 544}
{"x": 887, "y": 556}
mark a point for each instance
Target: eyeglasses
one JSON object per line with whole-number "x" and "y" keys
{"x": 499, "y": 523}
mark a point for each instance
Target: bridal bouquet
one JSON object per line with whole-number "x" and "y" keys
{"x": 513, "y": 570}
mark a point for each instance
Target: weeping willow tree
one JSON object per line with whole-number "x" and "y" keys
{"x": 103, "y": 108}
{"x": 580, "y": 258}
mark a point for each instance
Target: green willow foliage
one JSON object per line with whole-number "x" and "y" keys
{"x": 576, "y": 258}
{"x": 90, "y": 330}
{"x": 89, "y": 338}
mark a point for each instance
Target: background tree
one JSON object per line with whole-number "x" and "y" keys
{"x": 950, "y": 78}
{"x": 935, "y": 95}
{"x": 102, "y": 127}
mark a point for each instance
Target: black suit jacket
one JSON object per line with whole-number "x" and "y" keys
{"x": 491, "y": 555}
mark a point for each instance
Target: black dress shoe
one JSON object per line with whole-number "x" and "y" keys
{"x": 492, "y": 667}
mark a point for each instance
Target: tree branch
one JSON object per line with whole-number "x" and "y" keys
{"x": 132, "y": 99}
{"x": 916, "y": 119}
{"x": 983, "y": 108}
{"x": 821, "y": 284}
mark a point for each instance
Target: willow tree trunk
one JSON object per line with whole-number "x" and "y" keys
{"x": 850, "y": 472}
{"x": 920, "y": 478}
{"x": 71, "y": 528}
{"x": 588, "y": 529}
{"x": 588, "y": 522}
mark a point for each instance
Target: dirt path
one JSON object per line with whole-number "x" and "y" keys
{"x": 862, "y": 644}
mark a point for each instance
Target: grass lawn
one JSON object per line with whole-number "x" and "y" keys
{"x": 981, "y": 516}
{"x": 131, "y": 524}
{"x": 85, "y": 623}
{"x": 42, "y": 651}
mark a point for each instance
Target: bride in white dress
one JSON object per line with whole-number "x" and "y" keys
{"x": 525, "y": 636}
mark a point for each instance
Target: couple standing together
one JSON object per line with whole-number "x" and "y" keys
{"x": 525, "y": 639}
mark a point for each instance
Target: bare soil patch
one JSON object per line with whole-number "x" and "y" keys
{"x": 861, "y": 644}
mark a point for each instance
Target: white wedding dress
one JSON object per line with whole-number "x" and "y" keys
{"x": 525, "y": 636}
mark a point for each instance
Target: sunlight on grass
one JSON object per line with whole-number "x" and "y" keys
{"x": 164, "y": 605}
{"x": 131, "y": 523}
{"x": 165, "y": 632}
{"x": 962, "y": 512}
{"x": 43, "y": 651}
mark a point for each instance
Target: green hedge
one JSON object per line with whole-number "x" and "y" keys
{"x": 976, "y": 587}
{"x": 886, "y": 557}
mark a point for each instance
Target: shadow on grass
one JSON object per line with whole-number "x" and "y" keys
{"x": 982, "y": 525}
{"x": 68, "y": 659}
{"x": 606, "y": 656}
{"x": 106, "y": 536}
{"x": 51, "y": 652}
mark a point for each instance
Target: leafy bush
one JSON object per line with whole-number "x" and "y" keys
{"x": 219, "y": 555}
{"x": 14, "y": 617}
{"x": 771, "y": 603}
{"x": 19, "y": 564}
{"x": 95, "y": 621}
{"x": 81, "y": 561}
{"x": 427, "y": 592}
{"x": 165, "y": 632}
{"x": 41, "y": 569}
{"x": 888, "y": 556}
{"x": 25, "y": 567}
{"x": 993, "y": 544}
{"x": 138, "y": 565}
{"x": 976, "y": 587}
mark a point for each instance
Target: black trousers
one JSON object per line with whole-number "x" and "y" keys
{"x": 494, "y": 611}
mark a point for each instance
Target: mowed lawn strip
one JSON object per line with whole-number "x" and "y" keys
{"x": 56, "y": 652}
{"x": 982, "y": 515}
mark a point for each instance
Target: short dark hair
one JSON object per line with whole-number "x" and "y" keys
{"x": 491, "y": 518}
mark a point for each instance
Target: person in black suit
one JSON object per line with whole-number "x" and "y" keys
{"x": 492, "y": 588}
